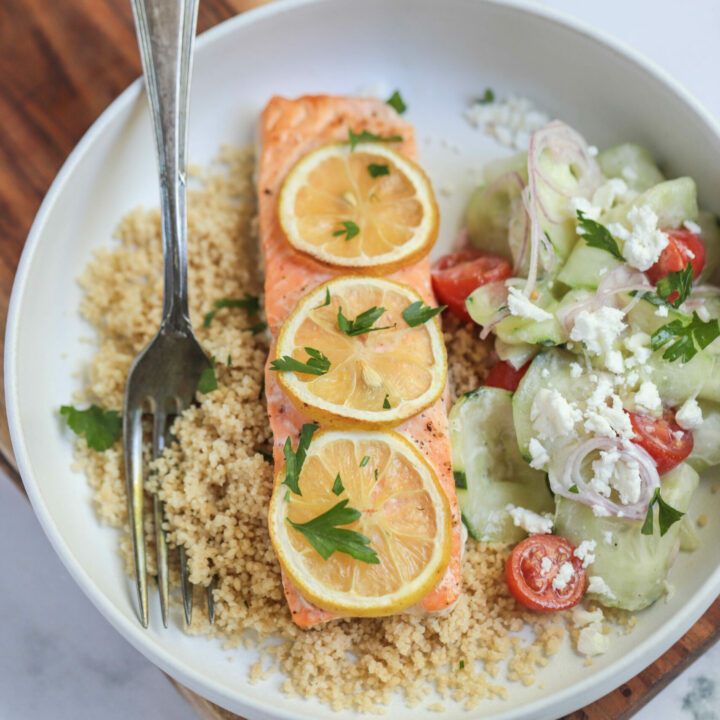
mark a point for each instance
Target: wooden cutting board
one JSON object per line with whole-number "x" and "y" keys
{"x": 61, "y": 64}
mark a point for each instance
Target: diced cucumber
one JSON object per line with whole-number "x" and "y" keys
{"x": 489, "y": 472}
{"x": 641, "y": 316}
{"x": 710, "y": 235}
{"x": 689, "y": 537}
{"x": 673, "y": 201}
{"x": 706, "y": 448}
{"x": 502, "y": 166}
{"x": 586, "y": 265}
{"x": 517, "y": 355}
{"x": 676, "y": 381}
{"x": 539, "y": 332}
{"x": 484, "y": 302}
{"x": 642, "y": 171}
{"x": 633, "y": 565}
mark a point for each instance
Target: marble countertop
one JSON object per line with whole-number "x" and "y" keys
{"x": 59, "y": 654}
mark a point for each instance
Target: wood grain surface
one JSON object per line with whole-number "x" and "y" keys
{"x": 61, "y": 64}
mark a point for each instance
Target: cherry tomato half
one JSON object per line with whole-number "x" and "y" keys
{"x": 663, "y": 439}
{"x": 683, "y": 246}
{"x": 532, "y": 587}
{"x": 504, "y": 375}
{"x": 456, "y": 275}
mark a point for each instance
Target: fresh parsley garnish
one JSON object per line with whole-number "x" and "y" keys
{"x": 267, "y": 456}
{"x": 487, "y": 97}
{"x": 317, "y": 364}
{"x": 251, "y": 303}
{"x": 229, "y": 361}
{"x": 208, "y": 380}
{"x": 365, "y": 461}
{"x": 462, "y": 664}
{"x": 418, "y": 312}
{"x": 396, "y": 102}
{"x": 257, "y": 328}
{"x": 376, "y": 474}
{"x": 377, "y": 170}
{"x": 349, "y": 230}
{"x": 574, "y": 489}
{"x": 325, "y": 535}
{"x": 338, "y": 487}
{"x": 598, "y": 236}
{"x": 667, "y": 515}
{"x": 294, "y": 459}
{"x": 363, "y": 323}
{"x": 675, "y": 287}
{"x": 386, "y": 403}
{"x": 100, "y": 427}
{"x": 365, "y": 136}
{"x": 327, "y": 299}
{"x": 460, "y": 479}
{"x": 687, "y": 338}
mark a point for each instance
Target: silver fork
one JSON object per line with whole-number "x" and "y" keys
{"x": 165, "y": 375}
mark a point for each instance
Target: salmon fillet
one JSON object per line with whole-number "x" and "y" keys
{"x": 289, "y": 129}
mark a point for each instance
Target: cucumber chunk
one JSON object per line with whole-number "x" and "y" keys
{"x": 676, "y": 381}
{"x": 710, "y": 235}
{"x": 633, "y": 565}
{"x": 586, "y": 265}
{"x": 489, "y": 472}
{"x": 516, "y": 355}
{"x": 643, "y": 172}
{"x": 706, "y": 448}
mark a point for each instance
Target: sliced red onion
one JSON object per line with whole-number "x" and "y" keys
{"x": 566, "y": 472}
{"x": 706, "y": 290}
{"x": 499, "y": 316}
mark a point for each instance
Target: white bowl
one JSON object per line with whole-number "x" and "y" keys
{"x": 440, "y": 55}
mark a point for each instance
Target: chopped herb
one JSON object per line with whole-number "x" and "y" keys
{"x": 675, "y": 288}
{"x": 326, "y": 537}
{"x": 364, "y": 461}
{"x": 462, "y": 664}
{"x": 337, "y": 487}
{"x": 257, "y": 328}
{"x": 460, "y": 479}
{"x": 249, "y": 302}
{"x": 598, "y": 236}
{"x": 246, "y": 603}
{"x": 327, "y": 299}
{"x": 396, "y": 102}
{"x": 650, "y": 297}
{"x": 294, "y": 459}
{"x": 318, "y": 364}
{"x": 487, "y": 97}
{"x": 229, "y": 361}
{"x": 266, "y": 455}
{"x": 377, "y": 170}
{"x": 574, "y": 489}
{"x": 667, "y": 515}
{"x": 100, "y": 427}
{"x": 386, "y": 403}
{"x": 376, "y": 474}
{"x": 365, "y": 136}
{"x": 208, "y": 380}
{"x": 417, "y": 313}
{"x": 350, "y": 230}
{"x": 363, "y": 323}
{"x": 687, "y": 338}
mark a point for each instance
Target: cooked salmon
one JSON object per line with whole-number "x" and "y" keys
{"x": 289, "y": 129}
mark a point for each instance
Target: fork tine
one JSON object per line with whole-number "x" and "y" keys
{"x": 163, "y": 576}
{"x": 211, "y": 599}
{"x": 132, "y": 443}
{"x": 187, "y": 588}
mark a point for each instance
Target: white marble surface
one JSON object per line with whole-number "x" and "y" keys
{"x": 58, "y": 655}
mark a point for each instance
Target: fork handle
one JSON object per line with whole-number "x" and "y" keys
{"x": 166, "y": 31}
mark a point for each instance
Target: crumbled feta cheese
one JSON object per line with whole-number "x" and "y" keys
{"x": 639, "y": 345}
{"x": 662, "y": 311}
{"x": 600, "y": 511}
{"x": 592, "y": 150}
{"x": 693, "y": 227}
{"x": 545, "y": 372}
{"x": 629, "y": 173}
{"x": 585, "y": 207}
{"x": 619, "y": 231}
{"x": 575, "y": 370}
{"x": 614, "y": 472}
{"x": 531, "y": 522}
{"x": 703, "y": 313}
{"x": 511, "y": 120}
{"x": 564, "y": 575}
{"x": 607, "y": 416}
{"x": 669, "y": 590}
{"x": 552, "y": 415}
{"x": 689, "y": 416}
{"x": 584, "y": 552}
{"x": 593, "y": 641}
{"x": 582, "y": 618}
{"x": 646, "y": 241}
{"x": 522, "y": 306}
{"x": 607, "y": 537}
{"x": 598, "y": 330}
{"x": 648, "y": 398}
{"x": 539, "y": 457}
{"x": 545, "y": 565}
{"x": 606, "y": 195}
{"x": 597, "y": 585}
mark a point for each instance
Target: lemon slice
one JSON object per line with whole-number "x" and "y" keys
{"x": 402, "y": 511}
{"x": 368, "y": 209}
{"x": 378, "y": 378}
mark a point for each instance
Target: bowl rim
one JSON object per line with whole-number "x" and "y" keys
{"x": 590, "y": 688}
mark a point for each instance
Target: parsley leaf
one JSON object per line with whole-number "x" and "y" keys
{"x": 573, "y": 489}
{"x": 349, "y": 229}
{"x": 251, "y": 303}
{"x": 267, "y": 456}
{"x": 294, "y": 459}
{"x": 376, "y": 170}
{"x": 327, "y": 299}
{"x": 318, "y": 364}
{"x": 686, "y": 338}
{"x": 229, "y": 361}
{"x": 487, "y": 97}
{"x": 365, "y": 136}
{"x": 598, "y": 236}
{"x": 365, "y": 461}
{"x": 208, "y": 380}
{"x": 417, "y": 313}
{"x": 363, "y": 323}
{"x": 100, "y": 427}
{"x": 257, "y": 328}
{"x": 338, "y": 487}
{"x": 326, "y": 537}
{"x": 677, "y": 284}
{"x": 396, "y": 102}
{"x": 386, "y": 403}
{"x": 667, "y": 515}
